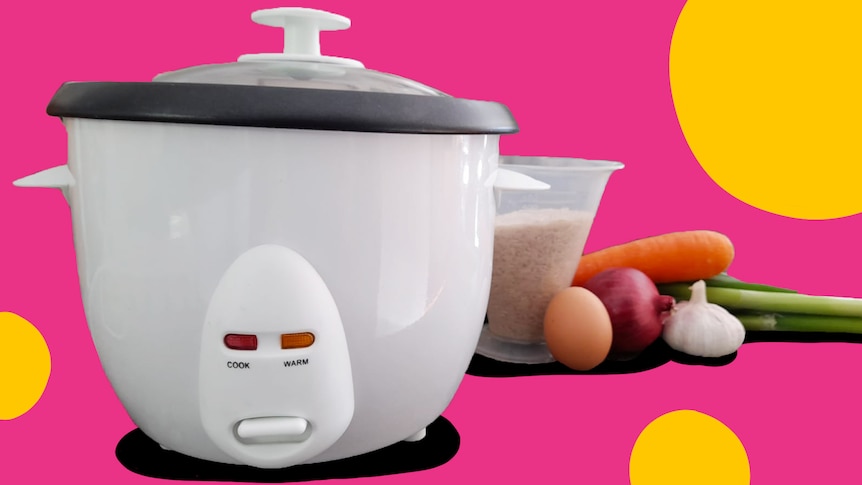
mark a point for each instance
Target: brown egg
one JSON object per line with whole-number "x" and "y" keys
{"x": 578, "y": 329}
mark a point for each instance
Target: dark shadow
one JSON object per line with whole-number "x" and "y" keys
{"x": 141, "y": 455}
{"x": 656, "y": 355}
{"x": 653, "y": 357}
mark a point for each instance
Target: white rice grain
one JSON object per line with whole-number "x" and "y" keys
{"x": 536, "y": 253}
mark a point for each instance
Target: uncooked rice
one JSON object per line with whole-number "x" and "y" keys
{"x": 536, "y": 253}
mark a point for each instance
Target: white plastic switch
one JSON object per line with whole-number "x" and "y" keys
{"x": 272, "y": 430}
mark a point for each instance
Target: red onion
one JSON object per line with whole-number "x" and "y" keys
{"x": 635, "y": 306}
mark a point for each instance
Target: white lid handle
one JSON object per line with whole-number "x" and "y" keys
{"x": 302, "y": 27}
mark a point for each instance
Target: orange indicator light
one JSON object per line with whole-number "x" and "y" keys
{"x": 297, "y": 340}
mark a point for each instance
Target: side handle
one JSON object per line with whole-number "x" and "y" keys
{"x": 52, "y": 178}
{"x": 505, "y": 179}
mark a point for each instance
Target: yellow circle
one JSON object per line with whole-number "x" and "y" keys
{"x": 768, "y": 96}
{"x": 686, "y": 447}
{"x": 25, "y": 365}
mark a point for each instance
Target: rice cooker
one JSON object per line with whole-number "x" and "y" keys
{"x": 284, "y": 259}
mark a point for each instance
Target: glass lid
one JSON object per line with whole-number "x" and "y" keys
{"x": 301, "y": 64}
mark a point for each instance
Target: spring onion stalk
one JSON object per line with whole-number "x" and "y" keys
{"x": 771, "y": 302}
{"x": 724, "y": 280}
{"x": 799, "y": 323}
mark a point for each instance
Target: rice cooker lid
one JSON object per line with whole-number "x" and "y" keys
{"x": 298, "y": 88}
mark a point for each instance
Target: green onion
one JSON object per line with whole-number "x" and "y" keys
{"x": 800, "y": 323}
{"x": 724, "y": 280}
{"x": 771, "y": 301}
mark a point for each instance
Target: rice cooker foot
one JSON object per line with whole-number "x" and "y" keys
{"x": 164, "y": 447}
{"x": 416, "y": 436}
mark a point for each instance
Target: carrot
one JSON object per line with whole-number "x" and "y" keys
{"x": 666, "y": 258}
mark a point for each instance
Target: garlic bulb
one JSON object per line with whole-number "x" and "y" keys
{"x": 697, "y": 327}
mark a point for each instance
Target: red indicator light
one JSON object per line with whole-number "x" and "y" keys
{"x": 240, "y": 342}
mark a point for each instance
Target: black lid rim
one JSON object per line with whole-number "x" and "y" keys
{"x": 277, "y": 107}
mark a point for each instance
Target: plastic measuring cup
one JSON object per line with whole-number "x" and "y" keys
{"x": 538, "y": 241}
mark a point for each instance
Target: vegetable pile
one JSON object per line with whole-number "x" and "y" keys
{"x": 675, "y": 286}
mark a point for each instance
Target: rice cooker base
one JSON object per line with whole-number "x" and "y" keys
{"x": 395, "y": 229}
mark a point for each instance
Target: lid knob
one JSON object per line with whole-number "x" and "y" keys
{"x": 302, "y": 27}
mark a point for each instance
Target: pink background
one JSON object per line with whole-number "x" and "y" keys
{"x": 583, "y": 78}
